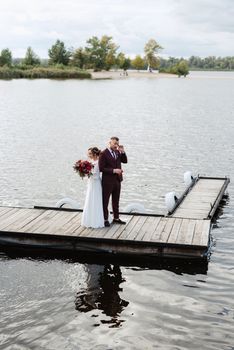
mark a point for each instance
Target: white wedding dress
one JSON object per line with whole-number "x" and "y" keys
{"x": 93, "y": 209}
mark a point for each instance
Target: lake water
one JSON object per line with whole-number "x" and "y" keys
{"x": 168, "y": 126}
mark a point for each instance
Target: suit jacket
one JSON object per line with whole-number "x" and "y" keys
{"x": 107, "y": 164}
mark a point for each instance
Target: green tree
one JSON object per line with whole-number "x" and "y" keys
{"x": 110, "y": 60}
{"x": 79, "y": 58}
{"x": 101, "y": 52}
{"x": 138, "y": 62}
{"x": 58, "y": 54}
{"x": 182, "y": 68}
{"x": 6, "y": 58}
{"x": 123, "y": 62}
{"x": 31, "y": 59}
{"x": 151, "y": 50}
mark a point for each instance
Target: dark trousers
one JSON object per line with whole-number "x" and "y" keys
{"x": 111, "y": 189}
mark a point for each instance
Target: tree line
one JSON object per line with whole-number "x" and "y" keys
{"x": 103, "y": 54}
{"x": 198, "y": 63}
{"x": 98, "y": 54}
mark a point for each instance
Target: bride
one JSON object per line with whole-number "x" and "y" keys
{"x": 93, "y": 209}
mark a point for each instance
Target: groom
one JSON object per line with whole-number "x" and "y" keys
{"x": 110, "y": 165}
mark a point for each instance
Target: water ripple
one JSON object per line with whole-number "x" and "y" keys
{"x": 168, "y": 126}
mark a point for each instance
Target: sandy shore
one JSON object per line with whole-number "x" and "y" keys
{"x": 155, "y": 75}
{"x": 131, "y": 74}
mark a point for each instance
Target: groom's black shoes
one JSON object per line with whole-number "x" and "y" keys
{"x": 118, "y": 221}
{"x": 107, "y": 224}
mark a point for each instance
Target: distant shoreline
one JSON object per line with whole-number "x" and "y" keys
{"x": 118, "y": 74}
{"x": 8, "y": 73}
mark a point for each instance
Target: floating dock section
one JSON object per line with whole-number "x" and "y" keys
{"x": 184, "y": 233}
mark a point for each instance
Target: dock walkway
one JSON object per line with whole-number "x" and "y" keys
{"x": 203, "y": 199}
{"x": 185, "y": 233}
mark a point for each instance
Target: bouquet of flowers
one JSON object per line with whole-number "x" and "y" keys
{"x": 83, "y": 168}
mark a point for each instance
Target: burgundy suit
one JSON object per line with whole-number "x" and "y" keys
{"x": 111, "y": 183}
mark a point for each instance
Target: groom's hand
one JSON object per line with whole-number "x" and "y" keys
{"x": 118, "y": 171}
{"x": 121, "y": 149}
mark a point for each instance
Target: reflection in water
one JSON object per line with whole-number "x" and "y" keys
{"x": 102, "y": 293}
{"x": 175, "y": 265}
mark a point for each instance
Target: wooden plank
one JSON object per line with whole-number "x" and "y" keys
{"x": 8, "y": 219}
{"x": 212, "y": 186}
{"x": 4, "y": 211}
{"x": 167, "y": 230}
{"x": 175, "y": 231}
{"x": 147, "y": 225}
{"x": 74, "y": 227}
{"x": 149, "y": 228}
{"x": 114, "y": 229}
{"x": 181, "y": 239}
{"x": 190, "y": 214}
{"x": 203, "y": 205}
{"x": 72, "y": 224}
{"x": 99, "y": 232}
{"x": 27, "y": 217}
{"x": 195, "y": 205}
{"x": 205, "y": 233}
{"x": 205, "y": 192}
{"x": 128, "y": 228}
{"x": 54, "y": 224}
{"x": 159, "y": 229}
{"x": 108, "y": 232}
{"x": 204, "y": 189}
{"x": 87, "y": 231}
{"x": 35, "y": 213}
{"x": 200, "y": 198}
{"x": 46, "y": 226}
{"x": 190, "y": 232}
{"x": 34, "y": 224}
{"x": 199, "y": 204}
{"x": 187, "y": 211}
{"x": 204, "y": 195}
{"x": 120, "y": 229}
{"x": 78, "y": 231}
{"x": 208, "y": 184}
{"x": 198, "y": 232}
{"x": 137, "y": 228}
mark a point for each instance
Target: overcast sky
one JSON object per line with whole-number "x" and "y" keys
{"x": 182, "y": 27}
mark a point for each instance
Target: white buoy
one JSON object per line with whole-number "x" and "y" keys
{"x": 135, "y": 208}
{"x": 68, "y": 201}
{"x": 188, "y": 178}
{"x": 170, "y": 200}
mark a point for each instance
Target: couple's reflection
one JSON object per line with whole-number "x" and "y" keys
{"x": 102, "y": 293}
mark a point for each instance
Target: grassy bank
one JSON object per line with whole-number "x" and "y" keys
{"x": 43, "y": 73}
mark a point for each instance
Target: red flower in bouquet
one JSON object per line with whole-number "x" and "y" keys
{"x": 83, "y": 168}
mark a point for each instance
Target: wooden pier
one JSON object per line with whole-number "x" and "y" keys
{"x": 185, "y": 233}
{"x": 203, "y": 198}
